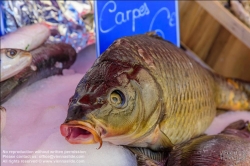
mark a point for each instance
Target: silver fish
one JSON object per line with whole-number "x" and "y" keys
{"x": 13, "y": 61}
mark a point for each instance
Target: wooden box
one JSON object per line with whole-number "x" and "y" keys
{"x": 214, "y": 34}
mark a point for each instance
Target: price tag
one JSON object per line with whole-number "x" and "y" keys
{"x": 115, "y": 19}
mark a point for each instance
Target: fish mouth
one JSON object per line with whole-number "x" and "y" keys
{"x": 79, "y": 132}
{"x": 27, "y": 55}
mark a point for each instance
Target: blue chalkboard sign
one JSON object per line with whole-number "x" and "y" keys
{"x": 115, "y": 19}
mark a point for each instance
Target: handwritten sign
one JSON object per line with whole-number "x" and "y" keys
{"x": 115, "y": 19}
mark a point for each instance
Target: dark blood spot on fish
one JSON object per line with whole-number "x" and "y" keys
{"x": 85, "y": 99}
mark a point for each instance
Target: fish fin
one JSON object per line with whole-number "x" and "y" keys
{"x": 153, "y": 34}
{"x": 165, "y": 141}
{"x": 238, "y": 125}
{"x": 232, "y": 94}
{"x": 162, "y": 142}
{"x": 148, "y": 157}
{"x": 239, "y": 128}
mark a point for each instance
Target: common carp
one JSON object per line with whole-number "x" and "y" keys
{"x": 145, "y": 92}
{"x": 13, "y": 61}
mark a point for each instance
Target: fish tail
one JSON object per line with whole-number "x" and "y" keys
{"x": 233, "y": 94}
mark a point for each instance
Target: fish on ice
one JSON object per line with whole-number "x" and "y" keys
{"x": 145, "y": 92}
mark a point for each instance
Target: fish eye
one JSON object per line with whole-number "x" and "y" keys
{"x": 117, "y": 98}
{"x": 11, "y": 53}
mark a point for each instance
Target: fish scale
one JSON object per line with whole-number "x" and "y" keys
{"x": 176, "y": 74}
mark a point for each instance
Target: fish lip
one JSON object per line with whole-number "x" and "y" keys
{"x": 66, "y": 131}
{"x": 26, "y": 57}
{"x": 26, "y": 53}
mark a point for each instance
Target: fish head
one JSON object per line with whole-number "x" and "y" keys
{"x": 13, "y": 61}
{"x": 117, "y": 103}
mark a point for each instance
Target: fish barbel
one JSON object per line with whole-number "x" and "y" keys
{"x": 145, "y": 92}
{"x": 13, "y": 61}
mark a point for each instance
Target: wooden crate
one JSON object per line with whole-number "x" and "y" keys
{"x": 216, "y": 36}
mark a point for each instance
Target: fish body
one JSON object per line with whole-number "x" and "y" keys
{"x": 47, "y": 60}
{"x": 13, "y": 61}
{"x": 218, "y": 150}
{"x": 145, "y": 92}
{"x": 231, "y": 147}
{"x": 27, "y": 37}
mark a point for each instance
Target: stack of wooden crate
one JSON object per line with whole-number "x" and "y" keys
{"x": 214, "y": 34}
